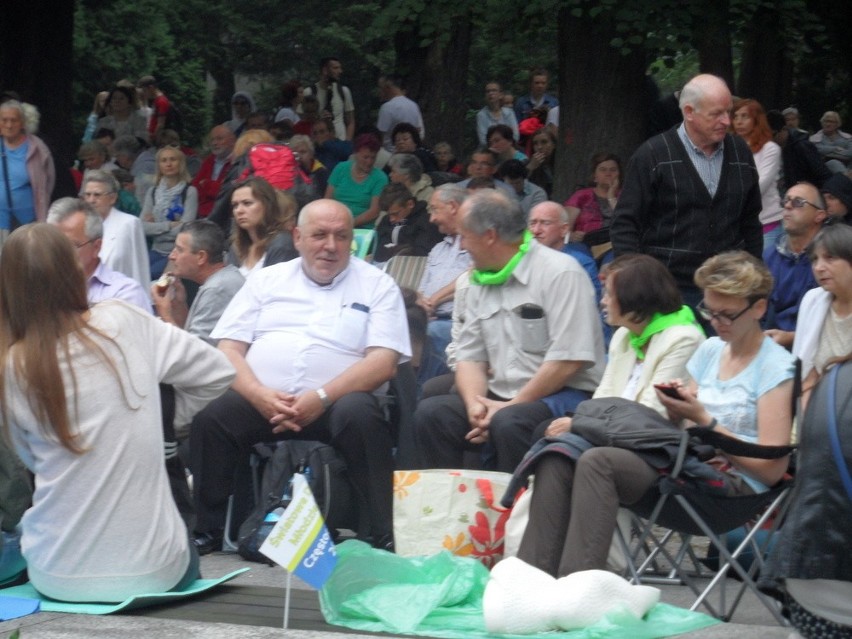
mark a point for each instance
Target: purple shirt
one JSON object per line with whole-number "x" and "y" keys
{"x": 106, "y": 284}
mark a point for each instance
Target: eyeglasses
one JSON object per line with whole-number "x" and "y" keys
{"x": 799, "y": 202}
{"x": 95, "y": 195}
{"x": 723, "y": 318}
{"x": 79, "y": 246}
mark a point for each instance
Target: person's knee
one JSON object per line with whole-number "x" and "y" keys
{"x": 596, "y": 461}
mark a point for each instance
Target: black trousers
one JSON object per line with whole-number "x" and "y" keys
{"x": 440, "y": 425}
{"x": 223, "y": 434}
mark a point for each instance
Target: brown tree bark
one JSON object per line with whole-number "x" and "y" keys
{"x": 601, "y": 96}
{"x": 436, "y": 78}
{"x": 712, "y": 38}
{"x": 764, "y": 72}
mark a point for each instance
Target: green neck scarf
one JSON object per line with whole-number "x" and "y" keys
{"x": 659, "y": 323}
{"x": 496, "y": 278}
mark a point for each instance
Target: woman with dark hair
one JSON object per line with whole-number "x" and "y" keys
{"x": 80, "y": 401}
{"x": 291, "y": 96}
{"x": 264, "y": 218}
{"x": 656, "y": 333}
{"x": 501, "y": 140}
{"x": 123, "y": 116}
{"x": 742, "y": 385}
{"x": 27, "y": 173}
{"x": 750, "y": 123}
{"x": 406, "y": 139}
{"x": 542, "y": 165}
{"x": 592, "y": 208}
{"x": 357, "y": 183}
{"x": 824, "y": 329}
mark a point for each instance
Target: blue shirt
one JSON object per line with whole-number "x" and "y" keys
{"x": 23, "y": 203}
{"x": 734, "y": 401}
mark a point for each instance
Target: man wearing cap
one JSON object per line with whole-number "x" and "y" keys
{"x": 837, "y": 191}
{"x": 158, "y": 102}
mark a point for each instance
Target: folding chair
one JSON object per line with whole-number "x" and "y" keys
{"x": 363, "y": 243}
{"x": 684, "y": 508}
{"x": 406, "y": 270}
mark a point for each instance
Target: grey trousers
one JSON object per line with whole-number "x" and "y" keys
{"x": 574, "y": 506}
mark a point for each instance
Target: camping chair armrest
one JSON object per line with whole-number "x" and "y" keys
{"x": 738, "y": 447}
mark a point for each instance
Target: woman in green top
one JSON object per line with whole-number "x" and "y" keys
{"x": 357, "y": 183}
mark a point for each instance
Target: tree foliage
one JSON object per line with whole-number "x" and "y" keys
{"x": 780, "y": 51}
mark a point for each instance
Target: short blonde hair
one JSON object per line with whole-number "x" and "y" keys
{"x": 735, "y": 273}
{"x": 249, "y": 139}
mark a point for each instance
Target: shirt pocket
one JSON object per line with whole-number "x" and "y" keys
{"x": 530, "y": 325}
{"x": 350, "y": 329}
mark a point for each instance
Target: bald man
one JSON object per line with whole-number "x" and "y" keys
{"x": 311, "y": 340}
{"x": 214, "y": 168}
{"x": 691, "y": 192}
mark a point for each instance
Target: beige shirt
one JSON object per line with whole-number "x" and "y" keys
{"x": 515, "y": 348}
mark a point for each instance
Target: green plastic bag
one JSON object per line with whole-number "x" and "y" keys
{"x": 441, "y": 596}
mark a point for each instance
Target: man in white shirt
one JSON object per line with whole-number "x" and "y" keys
{"x": 335, "y": 100}
{"x": 311, "y": 340}
{"x": 123, "y": 248}
{"x": 396, "y": 108}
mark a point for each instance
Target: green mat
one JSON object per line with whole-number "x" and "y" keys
{"x": 140, "y": 601}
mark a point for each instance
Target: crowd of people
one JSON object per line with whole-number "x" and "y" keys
{"x": 215, "y": 301}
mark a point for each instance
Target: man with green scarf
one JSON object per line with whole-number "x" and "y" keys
{"x": 531, "y": 347}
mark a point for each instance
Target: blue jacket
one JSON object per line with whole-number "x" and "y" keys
{"x": 793, "y": 278}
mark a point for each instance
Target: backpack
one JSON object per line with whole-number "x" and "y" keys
{"x": 277, "y": 164}
{"x": 325, "y": 472}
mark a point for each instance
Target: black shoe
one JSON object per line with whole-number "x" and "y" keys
{"x": 385, "y": 542}
{"x": 207, "y": 542}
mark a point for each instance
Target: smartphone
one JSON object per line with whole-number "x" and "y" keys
{"x": 671, "y": 391}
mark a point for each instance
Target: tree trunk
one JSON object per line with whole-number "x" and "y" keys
{"x": 762, "y": 73}
{"x": 602, "y": 97}
{"x": 35, "y": 61}
{"x": 712, "y": 39}
{"x": 437, "y": 79}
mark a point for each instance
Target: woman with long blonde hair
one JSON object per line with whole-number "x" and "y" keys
{"x": 80, "y": 402}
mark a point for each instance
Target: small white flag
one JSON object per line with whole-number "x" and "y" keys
{"x": 300, "y": 542}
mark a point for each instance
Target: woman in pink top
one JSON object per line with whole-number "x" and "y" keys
{"x": 591, "y": 208}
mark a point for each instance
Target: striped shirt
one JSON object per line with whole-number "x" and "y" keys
{"x": 709, "y": 168}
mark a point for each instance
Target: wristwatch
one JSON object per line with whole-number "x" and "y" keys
{"x": 324, "y": 400}
{"x": 713, "y": 423}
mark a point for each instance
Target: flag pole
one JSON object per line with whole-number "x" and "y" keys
{"x": 287, "y": 600}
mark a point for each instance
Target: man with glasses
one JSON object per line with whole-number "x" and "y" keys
{"x": 804, "y": 214}
{"x": 691, "y": 192}
{"x": 445, "y": 263}
{"x": 123, "y": 246}
{"x": 83, "y": 226}
{"x": 483, "y": 163}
